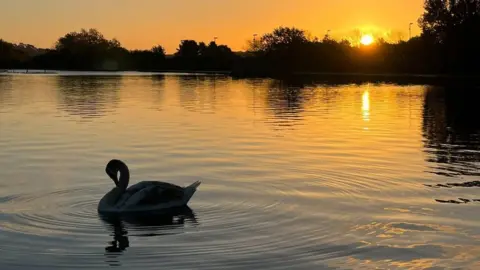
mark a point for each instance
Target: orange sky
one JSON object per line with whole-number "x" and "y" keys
{"x": 143, "y": 23}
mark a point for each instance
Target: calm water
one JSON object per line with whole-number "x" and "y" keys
{"x": 295, "y": 176}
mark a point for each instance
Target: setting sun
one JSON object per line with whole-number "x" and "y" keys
{"x": 366, "y": 40}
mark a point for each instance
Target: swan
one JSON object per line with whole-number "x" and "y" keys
{"x": 143, "y": 196}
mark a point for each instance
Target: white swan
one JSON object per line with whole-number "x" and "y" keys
{"x": 143, "y": 196}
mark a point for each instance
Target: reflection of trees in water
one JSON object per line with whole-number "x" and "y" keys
{"x": 327, "y": 96}
{"x": 457, "y": 185}
{"x": 198, "y": 93}
{"x": 189, "y": 92}
{"x": 451, "y": 130}
{"x": 158, "y": 83}
{"x": 5, "y": 90}
{"x": 255, "y": 86}
{"x": 285, "y": 101}
{"x": 146, "y": 225}
{"x": 158, "y": 90}
{"x": 88, "y": 96}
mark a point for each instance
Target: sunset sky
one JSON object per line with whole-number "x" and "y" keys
{"x": 139, "y": 24}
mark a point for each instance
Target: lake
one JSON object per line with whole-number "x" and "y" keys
{"x": 295, "y": 174}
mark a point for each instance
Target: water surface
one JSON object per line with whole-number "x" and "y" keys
{"x": 295, "y": 175}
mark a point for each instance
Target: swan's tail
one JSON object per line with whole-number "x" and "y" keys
{"x": 190, "y": 190}
{"x": 194, "y": 185}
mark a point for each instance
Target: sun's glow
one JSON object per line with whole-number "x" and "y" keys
{"x": 366, "y": 39}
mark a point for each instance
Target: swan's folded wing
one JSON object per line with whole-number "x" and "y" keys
{"x": 168, "y": 186}
{"x": 163, "y": 185}
{"x": 153, "y": 193}
{"x": 139, "y": 196}
{"x": 129, "y": 193}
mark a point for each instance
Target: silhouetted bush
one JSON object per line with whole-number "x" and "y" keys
{"x": 10, "y": 56}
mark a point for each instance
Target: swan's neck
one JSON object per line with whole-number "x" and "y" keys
{"x": 111, "y": 198}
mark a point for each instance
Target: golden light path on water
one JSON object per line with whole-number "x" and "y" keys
{"x": 366, "y": 105}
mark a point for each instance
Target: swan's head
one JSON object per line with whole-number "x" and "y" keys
{"x": 118, "y": 172}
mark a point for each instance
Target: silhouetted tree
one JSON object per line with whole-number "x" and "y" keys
{"x": 188, "y": 49}
{"x": 202, "y": 49}
{"x": 442, "y": 18}
{"x": 158, "y": 50}
{"x": 90, "y": 50}
{"x": 153, "y": 59}
{"x": 455, "y": 26}
{"x": 215, "y": 56}
{"x": 283, "y": 38}
{"x": 283, "y": 48}
{"x": 192, "y": 55}
{"x": 10, "y": 56}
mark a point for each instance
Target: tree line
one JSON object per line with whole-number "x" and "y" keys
{"x": 448, "y": 44}
{"x": 90, "y": 50}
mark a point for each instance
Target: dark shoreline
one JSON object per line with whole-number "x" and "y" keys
{"x": 397, "y": 78}
{"x": 317, "y": 77}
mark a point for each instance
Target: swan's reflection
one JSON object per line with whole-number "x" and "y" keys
{"x": 143, "y": 225}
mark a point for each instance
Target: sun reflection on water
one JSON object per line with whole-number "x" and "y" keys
{"x": 366, "y": 106}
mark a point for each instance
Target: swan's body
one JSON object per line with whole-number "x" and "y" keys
{"x": 143, "y": 196}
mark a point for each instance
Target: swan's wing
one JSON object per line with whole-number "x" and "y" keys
{"x": 144, "y": 184}
{"x": 132, "y": 190}
{"x": 151, "y": 193}
{"x": 165, "y": 186}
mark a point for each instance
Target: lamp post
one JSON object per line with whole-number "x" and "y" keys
{"x": 254, "y": 43}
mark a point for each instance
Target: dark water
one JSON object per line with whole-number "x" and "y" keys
{"x": 295, "y": 175}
